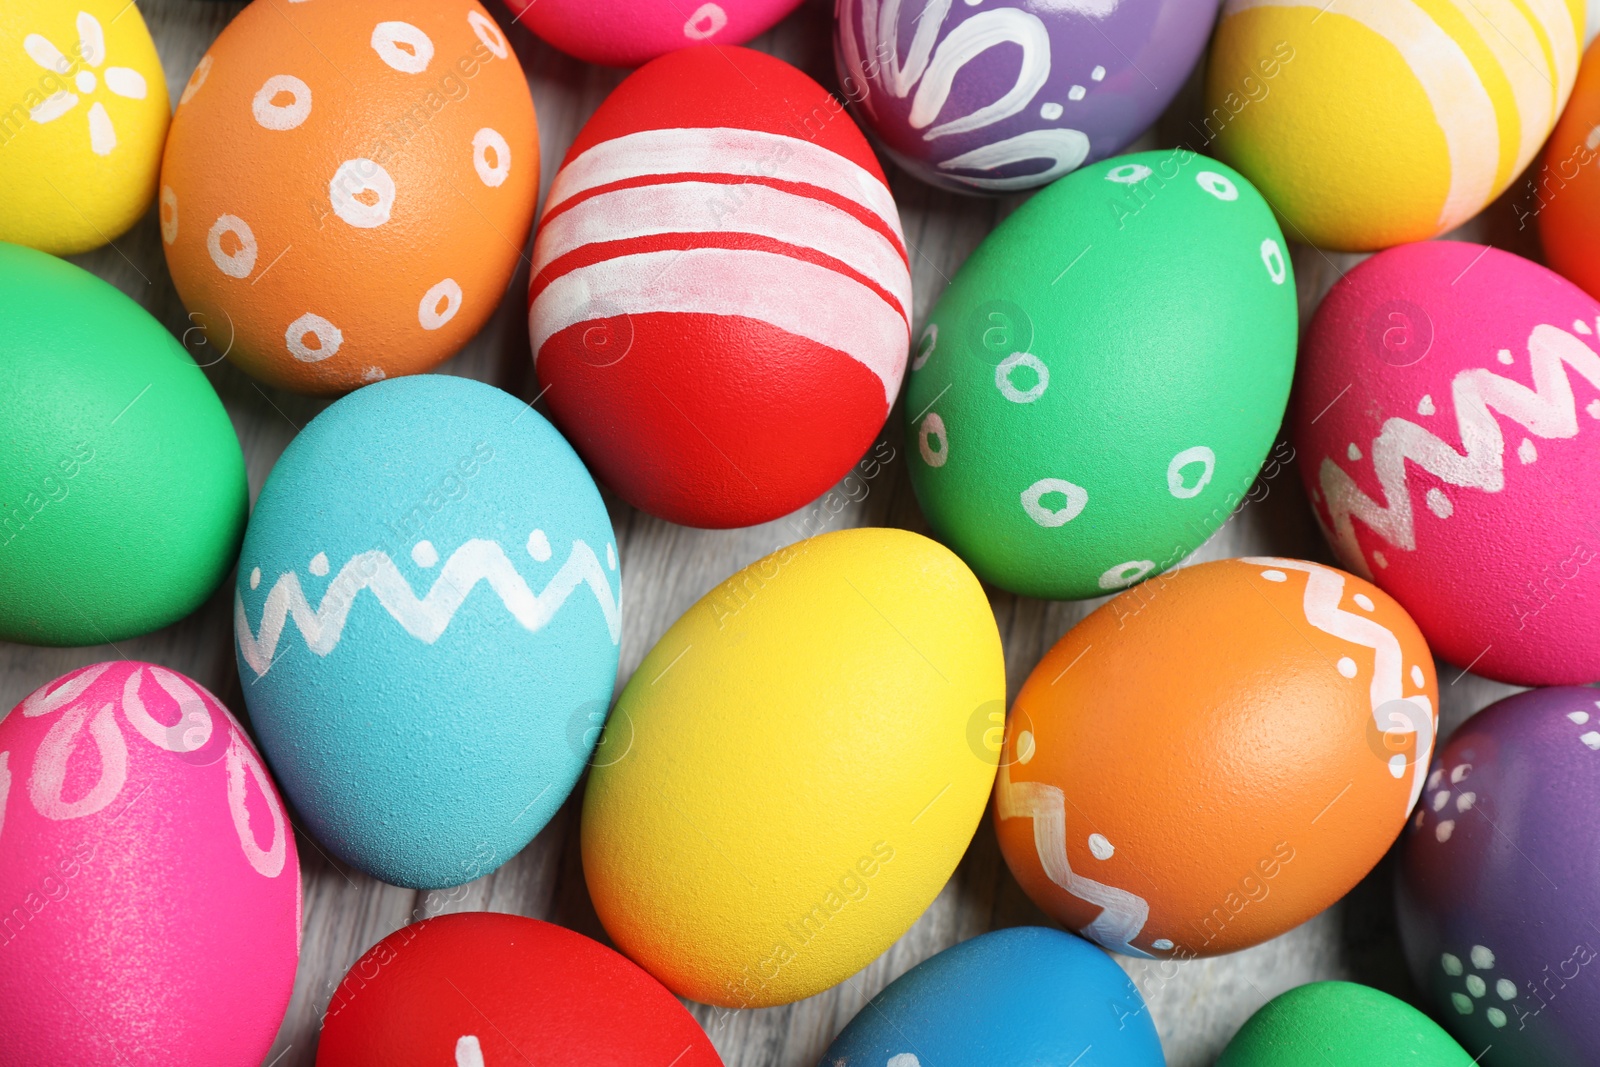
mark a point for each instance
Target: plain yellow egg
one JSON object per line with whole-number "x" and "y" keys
{"x": 796, "y": 768}
{"x": 1371, "y": 123}
{"x": 83, "y": 116}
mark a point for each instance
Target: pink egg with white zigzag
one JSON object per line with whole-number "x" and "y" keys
{"x": 148, "y": 875}
{"x": 1447, "y": 420}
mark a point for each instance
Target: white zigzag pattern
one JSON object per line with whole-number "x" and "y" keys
{"x": 1123, "y": 914}
{"x": 425, "y": 619}
{"x": 1548, "y": 410}
{"x": 1324, "y": 591}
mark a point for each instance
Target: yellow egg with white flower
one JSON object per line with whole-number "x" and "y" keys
{"x": 83, "y": 116}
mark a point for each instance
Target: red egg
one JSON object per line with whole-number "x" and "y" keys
{"x": 480, "y": 989}
{"x": 720, "y": 297}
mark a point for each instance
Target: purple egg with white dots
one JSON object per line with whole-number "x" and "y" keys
{"x": 999, "y": 96}
{"x": 1499, "y": 893}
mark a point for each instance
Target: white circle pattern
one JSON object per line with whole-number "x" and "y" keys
{"x": 273, "y": 116}
{"x": 237, "y": 264}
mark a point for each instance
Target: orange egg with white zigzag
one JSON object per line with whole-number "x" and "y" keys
{"x": 347, "y": 187}
{"x": 1216, "y": 756}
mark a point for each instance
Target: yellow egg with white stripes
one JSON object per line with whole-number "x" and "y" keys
{"x": 83, "y": 116}
{"x": 1371, "y": 123}
{"x": 796, "y": 768}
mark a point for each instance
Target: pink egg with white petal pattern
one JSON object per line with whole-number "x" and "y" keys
{"x": 626, "y": 35}
{"x": 149, "y": 884}
{"x": 1447, "y": 420}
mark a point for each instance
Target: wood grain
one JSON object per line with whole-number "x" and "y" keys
{"x": 1196, "y": 1005}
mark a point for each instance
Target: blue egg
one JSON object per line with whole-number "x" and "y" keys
{"x": 427, "y": 626}
{"x": 1027, "y": 995}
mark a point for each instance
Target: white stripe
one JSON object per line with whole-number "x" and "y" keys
{"x": 1515, "y": 45}
{"x": 723, "y": 150}
{"x": 706, "y": 207}
{"x": 1565, "y": 43}
{"x": 801, "y": 298}
{"x": 1461, "y": 105}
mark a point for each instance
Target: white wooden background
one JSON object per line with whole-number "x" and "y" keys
{"x": 1197, "y": 1005}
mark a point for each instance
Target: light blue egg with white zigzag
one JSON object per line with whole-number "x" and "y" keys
{"x": 427, "y": 625}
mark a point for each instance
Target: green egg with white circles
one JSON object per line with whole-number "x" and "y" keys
{"x": 1099, "y": 387}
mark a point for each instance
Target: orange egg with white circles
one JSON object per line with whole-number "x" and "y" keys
{"x": 348, "y": 186}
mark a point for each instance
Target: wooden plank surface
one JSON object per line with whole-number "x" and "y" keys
{"x": 1196, "y": 1005}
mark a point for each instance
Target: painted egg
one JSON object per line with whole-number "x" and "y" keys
{"x": 149, "y": 874}
{"x": 478, "y": 989}
{"x": 626, "y": 35}
{"x": 1170, "y": 307}
{"x": 427, "y": 626}
{"x": 1448, "y": 426}
{"x": 1497, "y": 894}
{"x": 1023, "y": 995}
{"x": 122, "y": 486}
{"x": 795, "y": 769}
{"x": 388, "y": 144}
{"x": 1386, "y": 121}
{"x": 720, "y": 290}
{"x": 87, "y": 110}
{"x": 1014, "y": 94}
{"x": 1342, "y": 1023}
{"x": 1216, "y": 756}
{"x": 1566, "y": 200}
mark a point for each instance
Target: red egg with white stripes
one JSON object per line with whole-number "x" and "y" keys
{"x": 720, "y": 298}
{"x": 1447, "y": 419}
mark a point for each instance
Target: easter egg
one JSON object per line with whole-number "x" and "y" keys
{"x": 626, "y": 35}
{"x": 122, "y": 486}
{"x": 85, "y": 116}
{"x": 1375, "y": 123}
{"x": 1341, "y": 1023}
{"x": 1170, "y": 308}
{"x": 149, "y": 874}
{"x": 795, "y": 769}
{"x": 347, "y": 187}
{"x": 1497, "y": 894}
{"x": 478, "y": 989}
{"x": 1216, "y": 756}
{"x": 1023, "y": 995}
{"x": 720, "y": 291}
{"x": 427, "y": 626}
{"x": 1447, "y": 421}
{"x": 1566, "y": 198}
{"x": 1014, "y": 94}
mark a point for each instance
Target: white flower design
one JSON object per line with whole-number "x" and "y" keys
{"x": 91, "y": 52}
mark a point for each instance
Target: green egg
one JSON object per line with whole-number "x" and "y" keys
{"x": 1344, "y": 1024}
{"x": 1097, "y": 390}
{"x": 122, "y": 486}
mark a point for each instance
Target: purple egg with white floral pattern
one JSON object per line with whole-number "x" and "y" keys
{"x": 998, "y": 96}
{"x": 1499, "y": 893}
